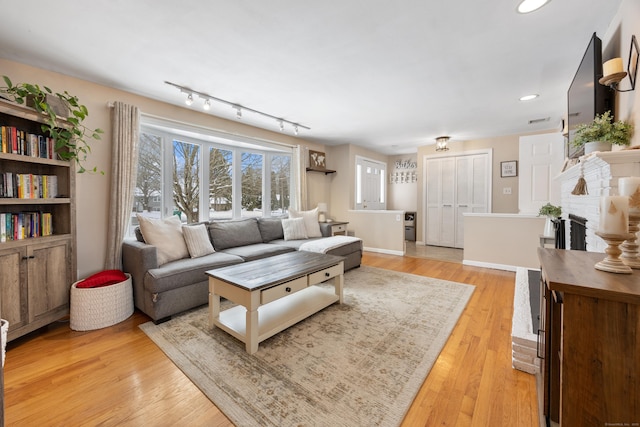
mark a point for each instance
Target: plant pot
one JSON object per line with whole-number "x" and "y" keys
{"x": 549, "y": 229}
{"x": 57, "y": 105}
{"x": 591, "y": 147}
{"x": 4, "y": 326}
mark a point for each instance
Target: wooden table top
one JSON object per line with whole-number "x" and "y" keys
{"x": 272, "y": 271}
{"x": 574, "y": 272}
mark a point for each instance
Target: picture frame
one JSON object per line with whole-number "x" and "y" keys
{"x": 632, "y": 65}
{"x": 317, "y": 160}
{"x": 509, "y": 169}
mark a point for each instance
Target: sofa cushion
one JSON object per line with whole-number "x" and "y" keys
{"x": 233, "y": 233}
{"x": 185, "y": 272}
{"x": 310, "y": 221}
{"x": 270, "y": 229}
{"x": 258, "y": 251}
{"x": 294, "y": 229}
{"x": 197, "y": 239}
{"x": 166, "y": 236}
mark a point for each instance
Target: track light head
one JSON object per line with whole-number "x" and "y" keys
{"x": 295, "y": 129}
{"x": 281, "y": 125}
{"x": 238, "y": 113}
{"x": 189, "y": 99}
{"x": 207, "y": 104}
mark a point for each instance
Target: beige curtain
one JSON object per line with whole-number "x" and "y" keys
{"x": 300, "y": 156}
{"x": 125, "y": 123}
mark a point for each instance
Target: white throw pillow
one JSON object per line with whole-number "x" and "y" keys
{"x": 294, "y": 229}
{"x": 310, "y": 221}
{"x": 166, "y": 236}
{"x": 197, "y": 239}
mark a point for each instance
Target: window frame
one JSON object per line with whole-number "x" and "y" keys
{"x": 205, "y": 139}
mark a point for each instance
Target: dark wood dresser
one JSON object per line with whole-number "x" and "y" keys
{"x": 590, "y": 341}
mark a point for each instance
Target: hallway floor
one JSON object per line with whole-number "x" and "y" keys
{"x": 434, "y": 252}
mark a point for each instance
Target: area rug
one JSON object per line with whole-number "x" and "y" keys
{"x": 360, "y": 363}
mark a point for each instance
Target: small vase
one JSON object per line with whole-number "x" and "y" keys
{"x": 549, "y": 230}
{"x": 590, "y": 147}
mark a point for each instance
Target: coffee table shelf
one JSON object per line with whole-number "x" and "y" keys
{"x": 278, "y": 315}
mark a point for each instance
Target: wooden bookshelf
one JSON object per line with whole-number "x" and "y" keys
{"x": 37, "y": 272}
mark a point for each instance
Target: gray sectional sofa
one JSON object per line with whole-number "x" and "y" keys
{"x": 161, "y": 291}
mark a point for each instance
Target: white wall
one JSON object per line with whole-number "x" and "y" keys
{"x": 502, "y": 241}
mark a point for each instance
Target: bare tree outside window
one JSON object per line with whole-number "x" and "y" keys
{"x": 148, "y": 194}
{"x": 252, "y": 184}
{"x": 220, "y": 183}
{"x": 280, "y": 184}
{"x": 186, "y": 180}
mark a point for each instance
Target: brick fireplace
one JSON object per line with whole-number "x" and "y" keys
{"x": 601, "y": 172}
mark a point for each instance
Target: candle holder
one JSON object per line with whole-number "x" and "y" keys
{"x": 612, "y": 263}
{"x": 630, "y": 255}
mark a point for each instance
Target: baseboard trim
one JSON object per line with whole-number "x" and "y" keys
{"x": 384, "y": 251}
{"x": 490, "y": 265}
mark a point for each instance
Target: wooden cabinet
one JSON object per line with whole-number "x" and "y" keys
{"x": 591, "y": 341}
{"x": 36, "y": 272}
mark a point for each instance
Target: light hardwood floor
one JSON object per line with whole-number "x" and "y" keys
{"x": 117, "y": 377}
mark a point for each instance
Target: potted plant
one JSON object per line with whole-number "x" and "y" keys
{"x": 601, "y": 133}
{"x": 71, "y": 140}
{"x": 552, "y": 213}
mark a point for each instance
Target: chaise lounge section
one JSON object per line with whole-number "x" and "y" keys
{"x": 165, "y": 289}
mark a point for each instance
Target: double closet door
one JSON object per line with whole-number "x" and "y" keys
{"x": 455, "y": 185}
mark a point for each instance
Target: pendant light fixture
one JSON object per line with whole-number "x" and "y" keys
{"x": 441, "y": 143}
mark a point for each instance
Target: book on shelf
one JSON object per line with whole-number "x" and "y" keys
{"x": 25, "y": 225}
{"x": 17, "y": 141}
{"x": 28, "y": 186}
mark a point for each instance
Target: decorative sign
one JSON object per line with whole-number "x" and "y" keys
{"x": 509, "y": 168}
{"x": 406, "y": 164}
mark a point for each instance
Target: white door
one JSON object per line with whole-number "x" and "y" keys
{"x": 454, "y": 186}
{"x": 541, "y": 158}
{"x": 370, "y": 185}
{"x": 471, "y": 190}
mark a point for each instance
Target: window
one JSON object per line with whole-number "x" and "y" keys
{"x": 370, "y": 184}
{"x": 175, "y": 163}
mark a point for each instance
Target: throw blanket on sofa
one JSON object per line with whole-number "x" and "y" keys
{"x": 324, "y": 245}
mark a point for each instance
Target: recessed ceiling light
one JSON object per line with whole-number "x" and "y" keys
{"x": 527, "y": 6}
{"x": 528, "y": 97}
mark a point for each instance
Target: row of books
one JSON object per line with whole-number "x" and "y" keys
{"x": 28, "y": 186}
{"x": 17, "y": 141}
{"x": 25, "y": 225}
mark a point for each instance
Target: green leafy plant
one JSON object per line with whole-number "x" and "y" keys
{"x": 72, "y": 138}
{"x": 550, "y": 211}
{"x": 603, "y": 129}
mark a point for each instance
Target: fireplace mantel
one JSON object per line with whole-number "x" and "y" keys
{"x": 601, "y": 171}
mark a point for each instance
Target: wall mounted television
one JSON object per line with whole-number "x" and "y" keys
{"x": 586, "y": 97}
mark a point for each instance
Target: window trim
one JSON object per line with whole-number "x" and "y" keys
{"x": 205, "y": 139}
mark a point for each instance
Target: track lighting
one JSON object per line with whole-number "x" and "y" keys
{"x": 207, "y": 105}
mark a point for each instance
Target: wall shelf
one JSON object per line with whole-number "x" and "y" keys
{"x": 325, "y": 171}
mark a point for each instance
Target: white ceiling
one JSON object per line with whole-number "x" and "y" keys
{"x": 389, "y": 75}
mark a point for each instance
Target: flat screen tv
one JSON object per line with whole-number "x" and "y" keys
{"x": 586, "y": 96}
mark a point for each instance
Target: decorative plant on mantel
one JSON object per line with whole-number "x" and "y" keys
{"x": 603, "y": 129}
{"x": 552, "y": 213}
{"x": 71, "y": 140}
{"x": 550, "y": 210}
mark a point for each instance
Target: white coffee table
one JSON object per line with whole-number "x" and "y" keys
{"x": 273, "y": 293}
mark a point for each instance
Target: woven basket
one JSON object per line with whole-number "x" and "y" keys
{"x": 95, "y": 308}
